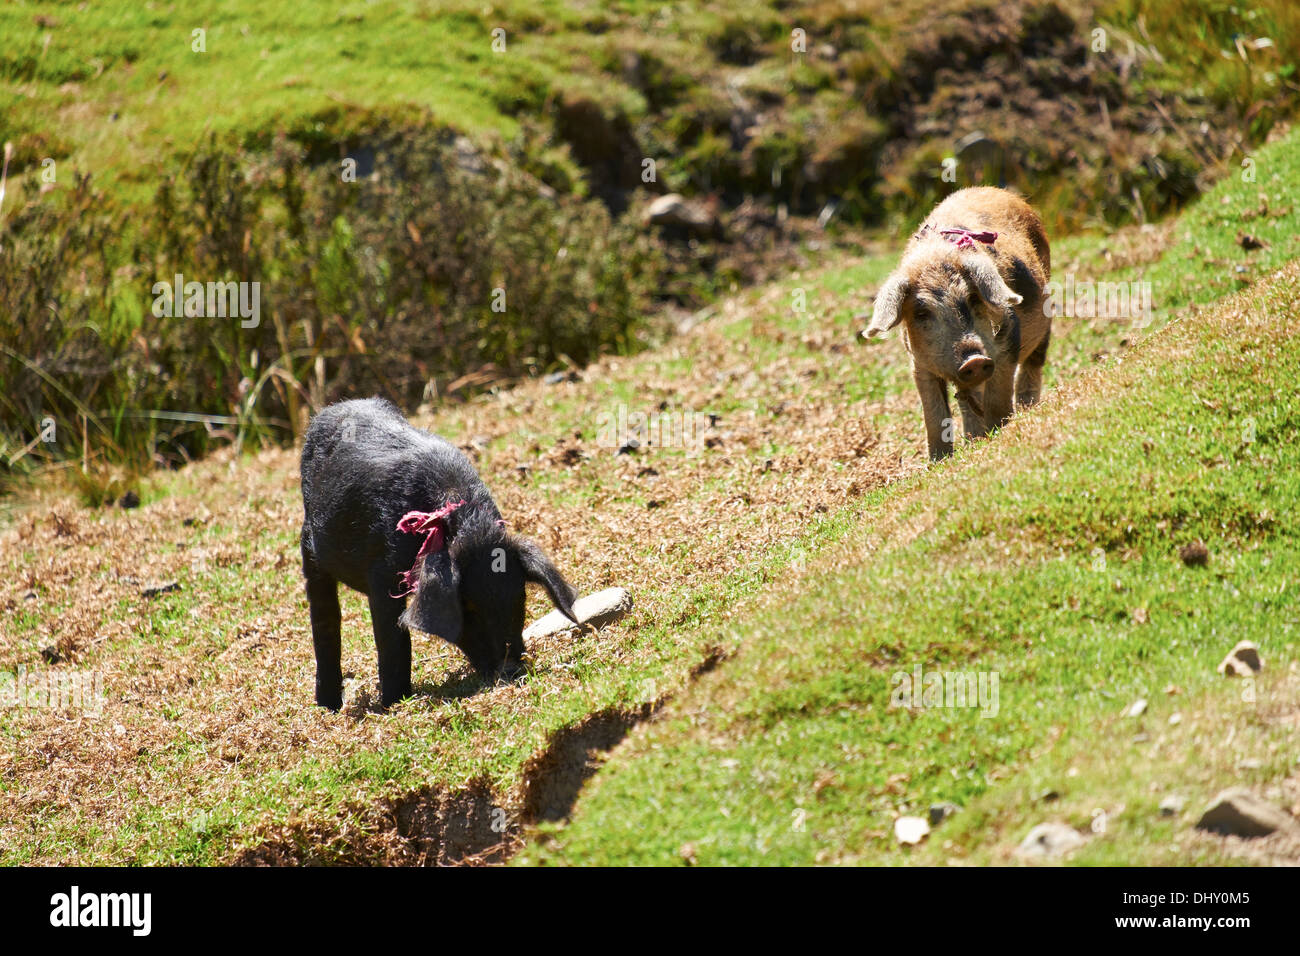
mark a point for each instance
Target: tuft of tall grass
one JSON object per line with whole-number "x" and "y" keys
{"x": 433, "y": 268}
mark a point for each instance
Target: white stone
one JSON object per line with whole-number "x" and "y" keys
{"x": 1048, "y": 840}
{"x": 911, "y": 830}
{"x": 593, "y": 610}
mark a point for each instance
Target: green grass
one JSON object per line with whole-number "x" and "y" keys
{"x": 1005, "y": 575}
{"x": 1008, "y": 582}
{"x": 1049, "y": 559}
{"x": 118, "y": 89}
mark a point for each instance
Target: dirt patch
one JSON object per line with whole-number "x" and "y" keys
{"x": 473, "y": 826}
{"x": 553, "y": 779}
{"x": 712, "y": 658}
{"x": 427, "y": 827}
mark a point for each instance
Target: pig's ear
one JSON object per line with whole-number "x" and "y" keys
{"x": 989, "y": 283}
{"x": 539, "y": 569}
{"x": 887, "y": 311}
{"x": 435, "y": 606}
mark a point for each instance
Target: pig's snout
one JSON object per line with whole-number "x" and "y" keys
{"x": 975, "y": 370}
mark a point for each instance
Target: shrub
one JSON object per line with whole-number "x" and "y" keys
{"x": 438, "y": 264}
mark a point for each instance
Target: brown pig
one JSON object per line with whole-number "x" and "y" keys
{"x": 969, "y": 292}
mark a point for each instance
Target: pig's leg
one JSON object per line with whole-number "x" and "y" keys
{"x": 323, "y": 602}
{"x": 938, "y": 417}
{"x": 997, "y": 392}
{"x": 1029, "y": 382}
{"x": 392, "y": 640}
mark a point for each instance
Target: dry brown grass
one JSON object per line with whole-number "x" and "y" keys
{"x": 189, "y": 722}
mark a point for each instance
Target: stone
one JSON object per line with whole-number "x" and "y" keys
{"x": 1049, "y": 840}
{"x": 1137, "y": 708}
{"x": 675, "y": 210}
{"x": 593, "y": 610}
{"x": 941, "y": 811}
{"x": 1172, "y": 805}
{"x": 1239, "y": 812}
{"x": 1242, "y": 661}
{"x": 911, "y": 830}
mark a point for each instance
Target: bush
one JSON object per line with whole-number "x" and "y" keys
{"x": 432, "y": 265}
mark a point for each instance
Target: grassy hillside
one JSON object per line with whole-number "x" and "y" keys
{"x": 783, "y": 570}
{"x": 1049, "y": 559}
{"x": 209, "y": 139}
{"x": 799, "y": 99}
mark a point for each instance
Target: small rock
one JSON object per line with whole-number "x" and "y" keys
{"x": 594, "y": 610}
{"x": 1172, "y": 805}
{"x": 1137, "y": 708}
{"x": 1242, "y": 661}
{"x": 1195, "y": 555}
{"x": 941, "y": 811}
{"x": 911, "y": 830}
{"x": 1048, "y": 840}
{"x": 676, "y": 210}
{"x": 165, "y": 587}
{"x": 129, "y": 500}
{"x": 1238, "y": 812}
{"x": 467, "y": 156}
{"x": 1175, "y": 719}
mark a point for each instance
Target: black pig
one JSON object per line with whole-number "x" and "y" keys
{"x": 391, "y": 510}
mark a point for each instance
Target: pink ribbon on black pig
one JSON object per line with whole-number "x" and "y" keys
{"x": 431, "y": 524}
